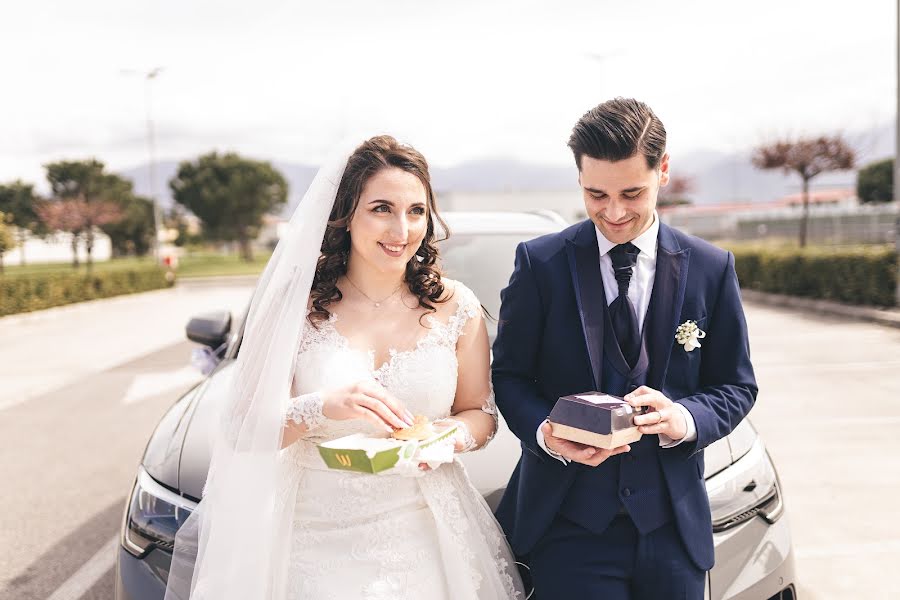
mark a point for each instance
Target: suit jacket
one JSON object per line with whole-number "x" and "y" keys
{"x": 550, "y": 344}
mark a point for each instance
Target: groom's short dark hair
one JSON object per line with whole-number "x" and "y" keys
{"x": 618, "y": 129}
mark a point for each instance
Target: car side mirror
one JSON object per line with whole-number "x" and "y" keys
{"x": 210, "y": 329}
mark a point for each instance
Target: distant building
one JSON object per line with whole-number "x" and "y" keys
{"x": 836, "y": 217}
{"x": 272, "y": 230}
{"x": 832, "y": 197}
{"x": 57, "y": 248}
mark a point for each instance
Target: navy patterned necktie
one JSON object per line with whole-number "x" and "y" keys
{"x": 621, "y": 310}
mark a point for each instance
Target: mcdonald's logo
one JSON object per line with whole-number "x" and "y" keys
{"x": 343, "y": 459}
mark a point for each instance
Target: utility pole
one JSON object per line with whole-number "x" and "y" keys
{"x": 149, "y": 76}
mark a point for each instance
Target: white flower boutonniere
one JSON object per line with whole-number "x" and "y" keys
{"x": 689, "y": 335}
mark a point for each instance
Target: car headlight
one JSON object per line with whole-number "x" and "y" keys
{"x": 747, "y": 489}
{"x": 153, "y": 516}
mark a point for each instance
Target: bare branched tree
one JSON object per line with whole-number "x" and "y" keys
{"x": 676, "y": 192}
{"x": 808, "y": 157}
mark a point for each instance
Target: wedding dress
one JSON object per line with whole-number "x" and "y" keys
{"x": 389, "y": 536}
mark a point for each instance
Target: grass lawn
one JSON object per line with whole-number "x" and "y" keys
{"x": 197, "y": 264}
{"x": 104, "y": 266}
{"x": 212, "y": 264}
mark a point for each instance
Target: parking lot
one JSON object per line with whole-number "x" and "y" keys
{"x": 829, "y": 409}
{"x": 83, "y": 388}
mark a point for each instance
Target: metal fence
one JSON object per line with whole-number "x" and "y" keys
{"x": 834, "y": 225}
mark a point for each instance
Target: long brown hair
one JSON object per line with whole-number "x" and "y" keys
{"x": 423, "y": 275}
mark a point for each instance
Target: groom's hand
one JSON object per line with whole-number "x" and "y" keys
{"x": 575, "y": 452}
{"x": 664, "y": 417}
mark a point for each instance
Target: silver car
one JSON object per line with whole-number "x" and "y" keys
{"x": 754, "y": 557}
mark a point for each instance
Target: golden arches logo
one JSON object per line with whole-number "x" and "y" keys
{"x": 343, "y": 459}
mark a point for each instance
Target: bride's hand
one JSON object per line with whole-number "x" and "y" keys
{"x": 366, "y": 400}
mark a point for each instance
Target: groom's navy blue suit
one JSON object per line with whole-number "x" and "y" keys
{"x": 555, "y": 339}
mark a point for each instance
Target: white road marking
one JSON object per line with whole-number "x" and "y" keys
{"x": 46, "y": 350}
{"x": 89, "y": 574}
{"x": 148, "y": 385}
{"x": 850, "y": 550}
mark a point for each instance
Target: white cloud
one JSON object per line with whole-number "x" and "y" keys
{"x": 462, "y": 80}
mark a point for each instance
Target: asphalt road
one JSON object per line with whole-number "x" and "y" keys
{"x": 82, "y": 389}
{"x": 67, "y": 461}
{"x": 828, "y": 410}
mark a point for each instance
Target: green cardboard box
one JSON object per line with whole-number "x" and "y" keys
{"x": 369, "y": 454}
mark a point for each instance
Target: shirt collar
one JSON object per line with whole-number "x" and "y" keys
{"x": 646, "y": 242}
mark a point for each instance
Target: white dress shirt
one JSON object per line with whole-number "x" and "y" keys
{"x": 639, "y": 291}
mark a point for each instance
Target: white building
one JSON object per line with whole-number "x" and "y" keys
{"x": 56, "y": 248}
{"x": 835, "y": 217}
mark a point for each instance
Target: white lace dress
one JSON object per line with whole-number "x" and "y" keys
{"x": 391, "y": 537}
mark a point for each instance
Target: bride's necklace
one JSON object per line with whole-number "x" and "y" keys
{"x": 377, "y": 303}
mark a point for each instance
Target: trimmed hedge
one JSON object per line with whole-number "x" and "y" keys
{"x": 855, "y": 275}
{"x": 35, "y": 291}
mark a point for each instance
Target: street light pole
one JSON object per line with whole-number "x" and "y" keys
{"x": 151, "y": 147}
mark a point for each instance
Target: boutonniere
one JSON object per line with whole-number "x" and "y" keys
{"x": 689, "y": 335}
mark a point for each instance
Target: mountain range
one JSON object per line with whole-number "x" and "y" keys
{"x": 715, "y": 177}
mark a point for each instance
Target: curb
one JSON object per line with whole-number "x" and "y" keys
{"x": 217, "y": 280}
{"x": 76, "y": 307}
{"x": 882, "y": 316}
{"x": 72, "y": 308}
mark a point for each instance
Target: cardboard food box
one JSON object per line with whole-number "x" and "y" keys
{"x": 595, "y": 419}
{"x": 370, "y": 454}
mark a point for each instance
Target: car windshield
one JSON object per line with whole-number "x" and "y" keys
{"x": 483, "y": 262}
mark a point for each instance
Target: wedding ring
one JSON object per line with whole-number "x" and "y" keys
{"x": 659, "y": 418}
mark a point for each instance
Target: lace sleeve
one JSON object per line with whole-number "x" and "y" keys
{"x": 467, "y": 307}
{"x": 464, "y": 436}
{"x": 305, "y": 410}
{"x": 490, "y": 407}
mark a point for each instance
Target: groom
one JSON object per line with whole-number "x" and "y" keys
{"x": 597, "y": 307}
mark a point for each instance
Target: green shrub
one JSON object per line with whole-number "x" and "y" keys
{"x": 35, "y": 291}
{"x": 855, "y": 275}
{"x": 875, "y": 182}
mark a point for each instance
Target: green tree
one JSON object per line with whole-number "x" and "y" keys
{"x": 18, "y": 202}
{"x": 6, "y": 239}
{"x": 133, "y": 235}
{"x": 84, "y": 197}
{"x": 875, "y": 182}
{"x": 230, "y": 194}
{"x": 808, "y": 157}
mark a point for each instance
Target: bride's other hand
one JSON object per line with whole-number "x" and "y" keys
{"x": 366, "y": 400}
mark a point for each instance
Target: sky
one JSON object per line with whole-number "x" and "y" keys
{"x": 461, "y": 80}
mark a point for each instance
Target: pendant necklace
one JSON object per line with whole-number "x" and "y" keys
{"x": 377, "y": 303}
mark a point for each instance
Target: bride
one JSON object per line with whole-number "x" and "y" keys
{"x": 383, "y": 337}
